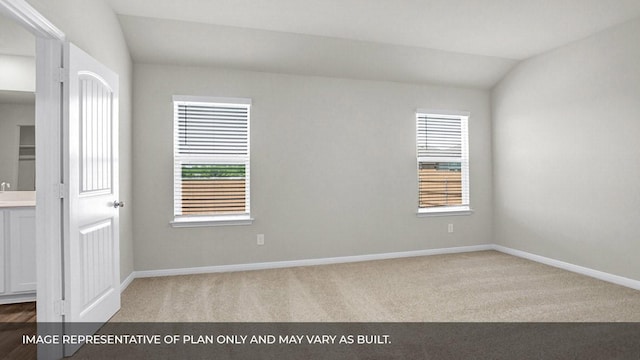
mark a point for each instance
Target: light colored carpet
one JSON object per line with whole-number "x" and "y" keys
{"x": 480, "y": 286}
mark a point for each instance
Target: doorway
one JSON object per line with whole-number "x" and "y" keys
{"x": 48, "y": 168}
{"x": 17, "y": 163}
{"x": 76, "y": 155}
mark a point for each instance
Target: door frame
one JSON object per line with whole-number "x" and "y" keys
{"x": 49, "y": 161}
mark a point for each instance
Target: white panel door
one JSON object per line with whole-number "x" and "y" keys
{"x": 91, "y": 245}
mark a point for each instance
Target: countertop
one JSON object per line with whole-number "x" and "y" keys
{"x": 10, "y": 199}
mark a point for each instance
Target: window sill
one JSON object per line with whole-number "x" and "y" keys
{"x": 452, "y": 211}
{"x": 202, "y": 221}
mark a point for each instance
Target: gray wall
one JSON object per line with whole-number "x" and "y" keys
{"x": 333, "y": 168}
{"x": 18, "y": 73}
{"x": 11, "y": 117}
{"x": 94, "y": 27}
{"x": 566, "y": 131}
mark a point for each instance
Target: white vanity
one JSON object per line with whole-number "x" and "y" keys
{"x": 17, "y": 246}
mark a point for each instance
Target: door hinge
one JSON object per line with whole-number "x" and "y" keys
{"x": 62, "y": 190}
{"x": 60, "y": 307}
{"x": 60, "y": 75}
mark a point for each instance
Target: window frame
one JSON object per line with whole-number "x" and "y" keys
{"x": 464, "y": 209}
{"x": 193, "y": 220}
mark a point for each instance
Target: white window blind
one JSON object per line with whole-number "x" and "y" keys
{"x": 211, "y": 156}
{"x": 443, "y": 161}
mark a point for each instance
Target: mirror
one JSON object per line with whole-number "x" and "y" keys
{"x": 17, "y": 106}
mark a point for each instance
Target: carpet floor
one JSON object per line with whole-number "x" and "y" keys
{"x": 486, "y": 286}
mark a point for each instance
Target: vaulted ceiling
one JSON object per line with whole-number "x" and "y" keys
{"x": 460, "y": 42}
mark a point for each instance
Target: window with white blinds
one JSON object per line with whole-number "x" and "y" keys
{"x": 443, "y": 161}
{"x": 211, "y": 157}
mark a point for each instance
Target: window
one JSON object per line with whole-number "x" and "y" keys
{"x": 443, "y": 161}
{"x": 211, "y": 161}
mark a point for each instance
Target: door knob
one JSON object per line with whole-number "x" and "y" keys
{"x": 118, "y": 204}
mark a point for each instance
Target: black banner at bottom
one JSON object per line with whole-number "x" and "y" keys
{"x": 326, "y": 340}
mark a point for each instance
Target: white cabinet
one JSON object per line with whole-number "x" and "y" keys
{"x": 2, "y": 255}
{"x": 22, "y": 244}
{"x": 17, "y": 254}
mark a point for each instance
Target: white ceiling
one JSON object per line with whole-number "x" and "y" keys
{"x": 401, "y": 40}
{"x": 178, "y": 42}
{"x": 514, "y": 29}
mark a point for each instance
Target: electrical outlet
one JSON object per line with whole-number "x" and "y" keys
{"x": 450, "y": 228}
{"x": 260, "y": 239}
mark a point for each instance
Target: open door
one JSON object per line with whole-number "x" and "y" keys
{"x": 91, "y": 241}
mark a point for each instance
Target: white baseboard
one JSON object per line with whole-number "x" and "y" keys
{"x": 126, "y": 282}
{"x": 620, "y": 280}
{"x": 307, "y": 262}
{"x": 20, "y": 298}
{"x": 616, "y": 279}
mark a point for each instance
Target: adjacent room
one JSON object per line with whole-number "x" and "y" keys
{"x": 339, "y": 161}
